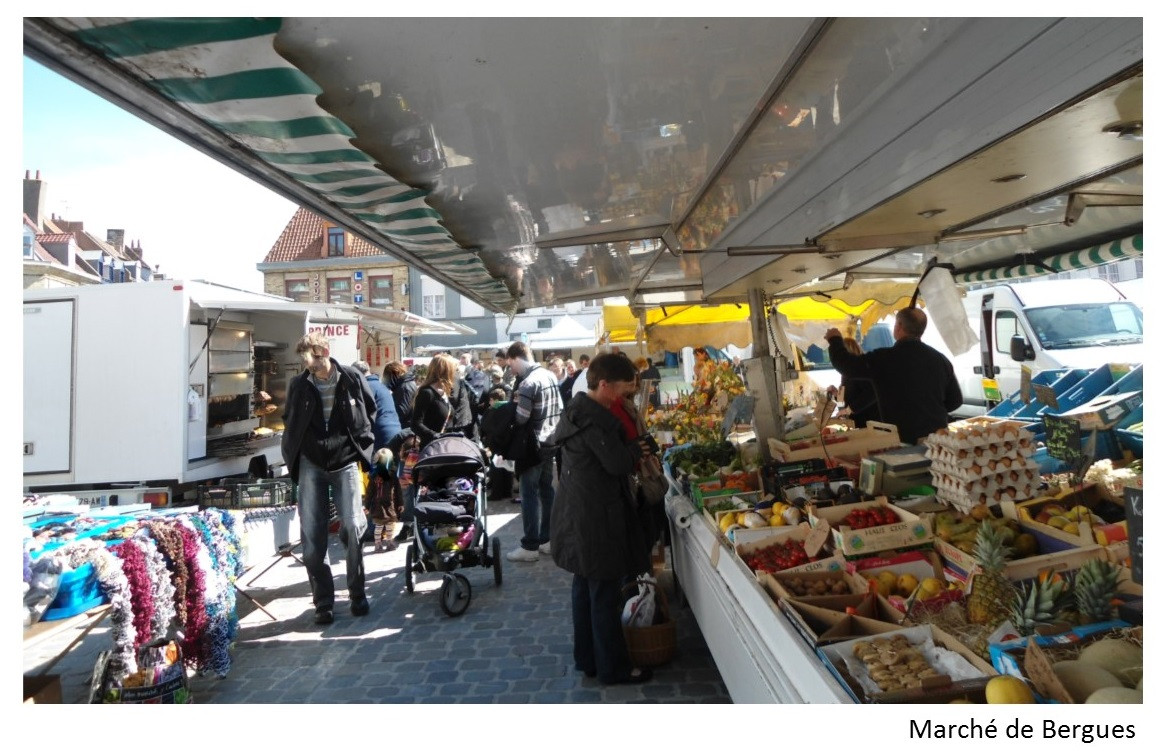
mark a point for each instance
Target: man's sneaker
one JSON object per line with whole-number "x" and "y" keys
{"x": 323, "y": 617}
{"x": 359, "y": 607}
{"x": 545, "y": 548}
{"x": 520, "y": 555}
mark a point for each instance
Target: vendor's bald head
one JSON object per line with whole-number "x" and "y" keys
{"x": 910, "y": 323}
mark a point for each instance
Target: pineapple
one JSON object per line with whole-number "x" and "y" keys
{"x": 1094, "y": 588}
{"x": 1042, "y": 601}
{"x": 991, "y": 593}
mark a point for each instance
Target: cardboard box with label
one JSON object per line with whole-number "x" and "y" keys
{"x": 1032, "y": 657}
{"x": 959, "y": 565}
{"x": 910, "y": 529}
{"x": 1105, "y": 411}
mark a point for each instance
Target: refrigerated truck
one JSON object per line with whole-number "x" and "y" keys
{"x": 132, "y": 387}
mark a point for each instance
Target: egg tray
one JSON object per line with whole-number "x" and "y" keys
{"x": 1020, "y": 469}
{"x": 965, "y": 500}
{"x": 967, "y": 434}
{"x": 981, "y": 456}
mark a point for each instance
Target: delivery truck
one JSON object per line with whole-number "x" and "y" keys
{"x": 156, "y": 385}
{"x": 1050, "y": 324}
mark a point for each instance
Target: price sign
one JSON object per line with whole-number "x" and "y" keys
{"x": 1134, "y": 528}
{"x": 1063, "y": 439}
{"x": 1046, "y": 395}
{"x": 1026, "y": 385}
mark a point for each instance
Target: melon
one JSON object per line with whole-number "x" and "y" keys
{"x": 1122, "y": 658}
{"x": 1007, "y": 689}
{"x": 1139, "y": 686}
{"x": 1083, "y": 678}
{"x": 1115, "y": 695}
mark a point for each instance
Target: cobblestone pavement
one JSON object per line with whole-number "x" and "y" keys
{"x": 512, "y": 645}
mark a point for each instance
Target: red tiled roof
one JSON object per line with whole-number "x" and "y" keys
{"x": 302, "y": 238}
{"x": 51, "y": 239}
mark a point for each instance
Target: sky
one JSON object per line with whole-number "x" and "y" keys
{"x": 193, "y": 217}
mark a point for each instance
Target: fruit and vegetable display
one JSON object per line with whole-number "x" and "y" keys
{"x": 765, "y": 514}
{"x": 777, "y": 557}
{"x": 870, "y": 516}
{"x": 698, "y": 417}
{"x": 816, "y": 586}
{"x": 961, "y": 529}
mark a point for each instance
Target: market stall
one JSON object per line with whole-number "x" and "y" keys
{"x": 163, "y": 579}
{"x": 1020, "y": 551}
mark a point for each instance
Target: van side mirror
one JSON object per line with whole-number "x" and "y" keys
{"x": 1020, "y": 349}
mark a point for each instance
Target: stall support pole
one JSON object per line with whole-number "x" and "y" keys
{"x": 762, "y": 380}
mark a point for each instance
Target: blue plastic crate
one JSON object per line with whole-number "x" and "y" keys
{"x": 1083, "y": 391}
{"x": 1062, "y": 387}
{"x": 1132, "y": 381}
{"x": 1014, "y": 403}
{"x": 77, "y": 592}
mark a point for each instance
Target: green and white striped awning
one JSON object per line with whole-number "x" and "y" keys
{"x": 226, "y": 73}
{"x": 1097, "y": 255}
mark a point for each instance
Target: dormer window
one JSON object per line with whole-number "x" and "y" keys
{"x": 336, "y": 242}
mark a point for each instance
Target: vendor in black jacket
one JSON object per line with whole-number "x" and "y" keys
{"x": 916, "y": 385}
{"x": 327, "y": 442}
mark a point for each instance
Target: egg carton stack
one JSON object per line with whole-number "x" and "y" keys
{"x": 983, "y": 461}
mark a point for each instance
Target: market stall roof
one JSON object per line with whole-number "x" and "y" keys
{"x": 211, "y": 295}
{"x": 566, "y": 333}
{"x": 537, "y": 161}
{"x": 831, "y": 300}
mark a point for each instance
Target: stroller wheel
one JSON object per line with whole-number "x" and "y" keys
{"x": 410, "y": 568}
{"x": 455, "y": 594}
{"x": 497, "y": 575}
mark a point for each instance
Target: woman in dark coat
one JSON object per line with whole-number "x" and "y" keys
{"x": 595, "y": 532}
{"x": 401, "y": 383}
{"x": 431, "y": 414}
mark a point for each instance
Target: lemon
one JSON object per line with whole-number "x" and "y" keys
{"x": 1008, "y": 689}
{"x": 930, "y": 587}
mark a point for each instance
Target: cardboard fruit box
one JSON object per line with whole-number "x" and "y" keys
{"x": 819, "y": 560}
{"x": 959, "y": 669}
{"x": 910, "y": 530}
{"x": 1105, "y": 411}
{"x": 799, "y": 584}
{"x": 875, "y": 436}
{"x": 1031, "y": 658}
{"x": 1034, "y": 515}
{"x": 960, "y": 566}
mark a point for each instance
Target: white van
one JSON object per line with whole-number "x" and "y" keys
{"x": 1044, "y": 325}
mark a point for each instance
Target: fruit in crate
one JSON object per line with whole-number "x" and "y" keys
{"x": 826, "y": 585}
{"x": 870, "y": 516}
{"x": 1082, "y": 679}
{"x": 1115, "y": 695}
{"x": 1008, "y": 689}
{"x": 894, "y": 663}
{"x": 930, "y": 587}
{"x": 991, "y": 593}
{"x": 1121, "y": 657}
{"x": 906, "y": 584}
{"x": 777, "y": 557}
{"x": 1042, "y": 601}
{"x": 1094, "y": 587}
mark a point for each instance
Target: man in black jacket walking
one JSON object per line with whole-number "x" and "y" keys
{"x": 327, "y": 441}
{"x": 915, "y": 384}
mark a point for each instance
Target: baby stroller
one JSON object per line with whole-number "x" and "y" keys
{"x": 450, "y": 529}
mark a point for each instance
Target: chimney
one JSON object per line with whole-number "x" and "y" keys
{"x": 116, "y": 237}
{"x": 34, "y": 198}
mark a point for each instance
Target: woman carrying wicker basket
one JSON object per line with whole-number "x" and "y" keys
{"x": 595, "y": 532}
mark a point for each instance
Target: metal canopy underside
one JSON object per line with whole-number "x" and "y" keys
{"x": 529, "y": 162}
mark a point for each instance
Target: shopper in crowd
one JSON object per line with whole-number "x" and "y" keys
{"x": 386, "y": 422}
{"x": 432, "y": 412}
{"x": 538, "y": 410}
{"x": 502, "y": 362}
{"x": 647, "y": 372}
{"x": 916, "y": 385}
{"x": 327, "y": 442}
{"x": 596, "y": 534}
{"x": 402, "y": 385}
{"x": 463, "y": 415}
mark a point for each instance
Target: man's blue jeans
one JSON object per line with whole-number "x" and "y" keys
{"x": 536, "y": 502}
{"x": 314, "y": 488}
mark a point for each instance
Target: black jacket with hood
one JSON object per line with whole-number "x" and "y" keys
{"x": 595, "y": 530}
{"x": 353, "y": 413}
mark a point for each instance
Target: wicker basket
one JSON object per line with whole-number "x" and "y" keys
{"x": 654, "y": 645}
